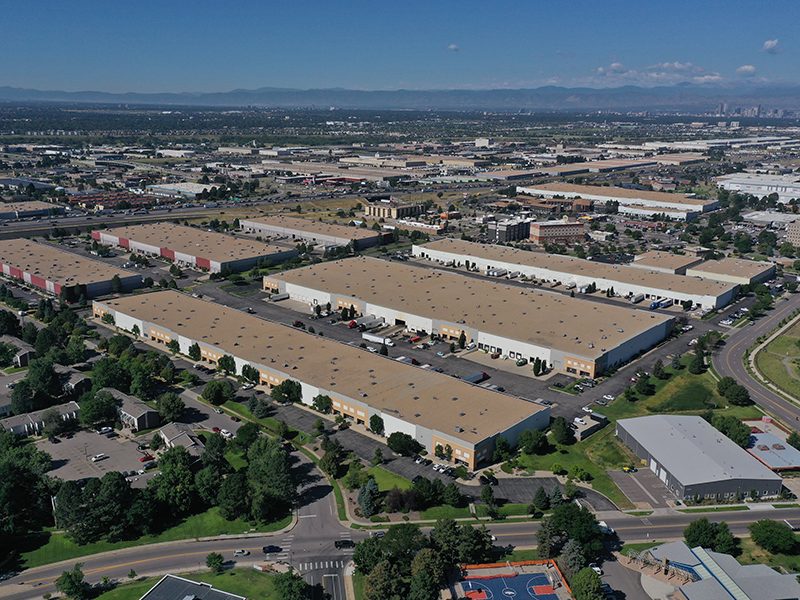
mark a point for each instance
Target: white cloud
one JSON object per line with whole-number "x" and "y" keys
{"x": 664, "y": 73}
{"x": 453, "y": 47}
{"x": 770, "y": 46}
{"x": 746, "y": 70}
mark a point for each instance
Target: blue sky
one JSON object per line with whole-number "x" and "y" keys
{"x": 200, "y": 45}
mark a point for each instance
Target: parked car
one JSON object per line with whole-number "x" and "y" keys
{"x": 595, "y": 568}
{"x": 587, "y": 409}
{"x": 146, "y": 458}
{"x": 608, "y": 397}
{"x": 98, "y": 457}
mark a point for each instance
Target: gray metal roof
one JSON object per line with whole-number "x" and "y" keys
{"x": 693, "y": 451}
{"x": 172, "y": 587}
{"x": 773, "y": 452}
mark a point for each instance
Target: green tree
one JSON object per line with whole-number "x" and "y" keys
{"x": 22, "y": 400}
{"x": 227, "y": 364}
{"x": 738, "y": 395}
{"x": 715, "y": 536}
{"x": 44, "y": 380}
{"x": 218, "y": 391}
{"x": 368, "y": 497}
{"x": 213, "y": 455}
{"x": 724, "y": 384}
{"x": 376, "y": 424}
{"x": 170, "y": 407}
{"x": 116, "y": 284}
{"x": 175, "y": 484}
{"x": 541, "y": 501}
{"x": 246, "y": 436}
{"x": 452, "y": 495}
{"x": 384, "y": 583}
{"x": 377, "y": 457}
{"x": 462, "y": 340}
{"x": 270, "y": 481}
{"x": 773, "y": 536}
{"x": 572, "y": 556}
{"x": 287, "y": 392}
{"x": 696, "y": 364}
{"x": 250, "y": 373}
{"x": 562, "y": 434}
{"x": 534, "y": 441}
{"x": 322, "y": 403}
{"x": 290, "y": 586}
{"x": 658, "y": 370}
{"x": 100, "y": 407}
{"x": 233, "y": 498}
{"x": 72, "y": 584}
{"x": 586, "y": 585}
{"x": 9, "y": 323}
{"x": 794, "y": 440}
{"x": 733, "y": 428}
{"x": 194, "y": 352}
{"x": 356, "y": 476}
{"x": 174, "y": 346}
{"x": 206, "y": 482}
{"x": 502, "y": 450}
{"x": 215, "y": 562}
{"x": 403, "y": 444}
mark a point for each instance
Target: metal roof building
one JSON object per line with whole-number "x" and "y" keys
{"x": 695, "y": 460}
{"x": 773, "y": 452}
{"x": 172, "y": 587}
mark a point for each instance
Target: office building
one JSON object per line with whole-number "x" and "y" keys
{"x": 665, "y": 262}
{"x": 557, "y": 269}
{"x": 793, "y": 233}
{"x": 571, "y": 335}
{"x": 695, "y": 460}
{"x": 511, "y": 230}
{"x": 62, "y": 273}
{"x": 312, "y": 232}
{"x": 641, "y": 203}
{"x": 561, "y": 231}
{"x": 738, "y": 271}
{"x": 434, "y": 409}
{"x": 389, "y": 208}
{"x": 193, "y": 247}
{"x": 715, "y": 576}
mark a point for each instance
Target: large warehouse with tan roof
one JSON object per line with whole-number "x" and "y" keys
{"x": 193, "y": 247}
{"x": 635, "y": 202}
{"x": 315, "y": 232}
{"x": 571, "y": 335}
{"x": 62, "y": 273}
{"x": 434, "y": 409}
{"x": 626, "y": 280}
{"x": 734, "y": 270}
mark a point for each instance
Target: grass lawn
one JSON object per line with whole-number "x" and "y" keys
{"x": 507, "y": 510}
{"x": 387, "y": 480}
{"x": 444, "y": 512}
{"x": 358, "y": 585}
{"x": 779, "y": 361}
{"x": 244, "y": 582}
{"x": 714, "y": 509}
{"x": 520, "y": 555}
{"x": 48, "y": 547}
{"x": 753, "y": 554}
{"x": 630, "y": 549}
{"x": 269, "y": 423}
{"x": 681, "y": 393}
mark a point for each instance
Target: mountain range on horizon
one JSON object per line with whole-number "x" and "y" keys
{"x": 548, "y": 98}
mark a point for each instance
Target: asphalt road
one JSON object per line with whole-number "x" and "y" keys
{"x": 728, "y": 361}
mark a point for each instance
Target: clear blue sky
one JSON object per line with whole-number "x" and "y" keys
{"x": 200, "y": 45}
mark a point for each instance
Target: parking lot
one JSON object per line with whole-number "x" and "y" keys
{"x": 72, "y": 456}
{"x": 643, "y": 488}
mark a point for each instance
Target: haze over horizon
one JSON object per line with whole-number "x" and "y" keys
{"x": 150, "y": 47}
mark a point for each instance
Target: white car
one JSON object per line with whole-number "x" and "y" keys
{"x": 98, "y": 457}
{"x": 372, "y": 349}
{"x": 241, "y": 552}
{"x": 225, "y": 433}
{"x": 608, "y": 397}
{"x": 587, "y": 409}
{"x": 596, "y": 569}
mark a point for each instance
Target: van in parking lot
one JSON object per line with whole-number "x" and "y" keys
{"x": 98, "y": 457}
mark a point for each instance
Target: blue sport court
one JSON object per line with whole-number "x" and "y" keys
{"x": 528, "y": 586}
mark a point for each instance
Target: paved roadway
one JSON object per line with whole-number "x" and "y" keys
{"x": 728, "y": 361}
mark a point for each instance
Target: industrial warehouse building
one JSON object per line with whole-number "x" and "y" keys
{"x": 642, "y": 203}
{"x": 666, "y": 262}
{"x": 551, "y": 268}
{"x": 434, "y": 409}
{"x": 33, "y": 208}
{"x": 315, "y": 232}
{"x": 62, "y": 273}
{"x": 695, "y": 460}
{"x": 734, "y": 270}
{"x": 193, "y": 247}
{"x": 571, "y": 335}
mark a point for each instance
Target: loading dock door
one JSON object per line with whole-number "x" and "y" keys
{"x": 663, "y": 475}
{"x": 653, "y": 466}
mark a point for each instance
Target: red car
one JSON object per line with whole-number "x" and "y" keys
{"x": 215, "y": 429}
{"x": 146, "y": 458}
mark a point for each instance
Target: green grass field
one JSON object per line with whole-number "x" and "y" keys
{"x": 682, "y": 392}
{"x": 244, "y": 582}
{"x": 779, "y": 361}
{"x": 444, "y": 512}
{"x": 752, "y": 555}
{"x": 387, "y": 480}
{"x": 46, "y": 548}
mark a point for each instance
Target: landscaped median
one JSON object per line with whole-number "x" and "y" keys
{"x": 779, "y": 361}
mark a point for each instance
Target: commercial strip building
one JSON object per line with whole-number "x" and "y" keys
{"x": 32, "y": 208}
{"x": 561, "y": 231}
{"x": 715, "y": 576}
{"x": 315, "y": 232}
{"x": 739, "y": 271}
{"x": 634, "y": 202}
{"x": 193, "y": 247}
{"x": 627, "y": 281}
{"x": 787, "y": 187}
{"x": 571, "y": 335}
{"x": 665, "y": 262}
{"x": 434, "y": 409}
{"x": 185, "y": 190}
{"x": 695, "y": 460}
{"x": 62, "y": 273}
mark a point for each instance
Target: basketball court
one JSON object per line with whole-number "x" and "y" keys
{"x": 514, "y": 581}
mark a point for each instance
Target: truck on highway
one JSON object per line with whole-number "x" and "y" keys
{"x": 476, "y": 377}
{"x": 378, "y": 339}
{"x": 636, "y": 298}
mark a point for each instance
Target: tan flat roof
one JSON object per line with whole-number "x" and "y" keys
{"x": 318, "y": 227}
{"x": 193, "y": 241}
{"x": 574, "y": 326}
{"x": 56, "y": 265}
{"x": 738, "y": 267}
{"x": 665, "y": 260}
{"x": 619, "y": 192}
{"x": 586, "y": 268}
{"x": 415, "y": 395}
{"x": 27, "y": 205}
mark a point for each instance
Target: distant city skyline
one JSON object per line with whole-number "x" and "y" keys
{"x": 206, "y": 46}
